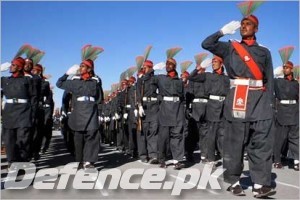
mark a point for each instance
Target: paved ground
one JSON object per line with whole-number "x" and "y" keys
{"x": 285, "y": 181}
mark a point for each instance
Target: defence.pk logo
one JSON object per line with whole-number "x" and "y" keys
{"x": 153, "y": 178}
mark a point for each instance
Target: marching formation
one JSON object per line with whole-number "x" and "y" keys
{"x": 238, "y": 111}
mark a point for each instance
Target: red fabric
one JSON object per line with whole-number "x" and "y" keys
{"x": 172, "y": 60}
{"x": 249, "y": 42}
{"x": 252, "y": 18}
{"x": 38, "y": 67}
{"x": 148, "y": 63}
{"x": 85, "y": 76}
{"x": 289, "y": 64}
{"x": 185, "y": 74}
{"x": 15, "y": 75}
{"x": 240, "y": 97}
{"x": 218, "y": 58}
{"x": 19, "y": 61}
{"x": 248, "y": 60}
{"x": 88, "y": 63}
{"x": 132, "y": 79}
{"x": 172, "y": 74}
{"x": 219, "y": 71}
{"x": 289, "y": 77}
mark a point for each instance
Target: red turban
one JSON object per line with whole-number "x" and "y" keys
{"x": 251, "y": 18}
{"x": 172, "y": 60}
{"x": 185, "y": 74}
{"x": 19, "y": 61}
{"x": 148, "y": 63}
{"x": 88, "y": 63}
{"x": 289, "y": 64}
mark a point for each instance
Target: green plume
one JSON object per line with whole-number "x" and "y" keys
{"x": 37, "y": 58}
{"x": 185, "y": 65}
{"x": 296, "y": 72}
{"x": 147, "y": 52}
{"x": 23, "y": 50}
{"x": 130, "y": 71}
{"x": 173, "y": 51}
{"x": 200, "y": 57}
{"x": 139, "y": 62}
{"x": 32, "y": 52}
{"x": 90, "y": 52}
{"x": 286, "y": 53}
{"x": 248, "y": 7}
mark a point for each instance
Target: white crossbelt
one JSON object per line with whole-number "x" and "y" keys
{"x": 85, "y": 98}
{"x": 219, "y": 98}
{"x": 46, "y": 105}
{"x": 288, "y": 101}
{"x": 16, "y": 100}
{"x": 128, "y": 106}
{"x": 250, "y": 82}
{"x": 200, "y": 100}
{"x": 175, "y": 99}
{"x": 149, "y": 99}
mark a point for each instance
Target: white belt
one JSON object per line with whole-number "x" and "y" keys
{"x": 175, "y": 99}
{"x": 16, "y": 100}
{"x": 46, "y": 105}
{"x": 149, "y": 99}
{"x": 250, "y": 82}
{"x": 85, "y": 98}
{"x": 288, "y": 101}
{"x": 128, "y": 106}
{"x": 214, "y": 97}
{"x": 199, "y": 100}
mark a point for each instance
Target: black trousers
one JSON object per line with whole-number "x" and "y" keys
{"x": 86, "y": 145}
{"x": 132, "y": 137}
{"x": 173, "y": 136}
{"x": 17, "y": 143}
{"x": 147, "y": 140}
{"x": 260, "y": 146}
{"x": 289, "y": 135}
{"x": 215, "y": 139}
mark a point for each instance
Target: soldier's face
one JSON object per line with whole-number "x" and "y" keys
{"x": 28, "y": 66}
{"x": 36, "y": 72}
{"x": 287, "y": 71}
{"x": 248, "y": 29}
{"x": 170, "y": 66}
{"x": 216, "y": 64}
{"x": 13, "y": 68}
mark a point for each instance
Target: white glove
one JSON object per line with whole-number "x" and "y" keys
{"x": 73, "y": 70}
{"x": 135, "y": 112}
{"x": 231, "y": 27}
{"x": 278, "y": 71}
{"x": 101, "y": 119}
{"x": 206, "y": 63}
{"x": 125, "y": 115}
{"x": 141, "y": 111}
{"x": 114, "y": 118}
{"x": 5, "y": 66}
{"x": 117, "y": 116}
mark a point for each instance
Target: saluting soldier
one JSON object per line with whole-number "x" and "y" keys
{"x": 287, "y": 119}
{"x": 196, "y": 101}
{"x": 86, "y": 95}
{"x": 248, "y": 106}
{"x": 171, "y": 113}
{"x": 17, "y": 113}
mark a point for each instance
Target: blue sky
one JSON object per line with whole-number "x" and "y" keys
{"x": 124, "y": 29}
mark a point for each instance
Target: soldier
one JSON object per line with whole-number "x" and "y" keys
{"x": 17, "y": 113}
{"x": 171, "y": 115}
{"x": 40, "y": 116}
{"x": 86, "y": 94}
{"x": 130, "y": 117}
{"x": 287, "y": 120}
{"x": 196, "y": 100}
{"x": 66, "y": 110}
{"x": 148, "y": 102}
{"x": 248, "y": 106}
{"x": 216, "y": 87}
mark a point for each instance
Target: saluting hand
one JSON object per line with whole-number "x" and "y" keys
{"x": 231, "y": 27}
{"x": 73, "y": 70}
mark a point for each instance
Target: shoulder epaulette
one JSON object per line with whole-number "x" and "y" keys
{"x": 28, "y": 75}
{"x": 96, "y": 78}
{"x": 75, "y": 77}
{"x": 234, "y": 40}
